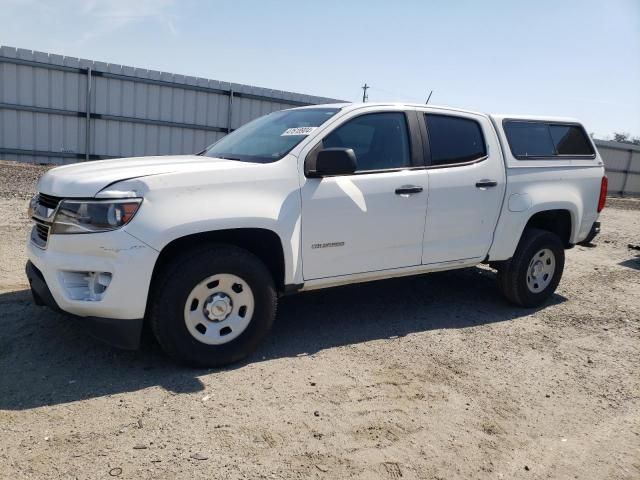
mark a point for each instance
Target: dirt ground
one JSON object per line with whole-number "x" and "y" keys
{"x": 434, "y": 377}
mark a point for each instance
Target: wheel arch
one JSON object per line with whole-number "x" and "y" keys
{"x": 558, "y": 221}
{"x": 263, "y": 243}
{"x": 561, "y": 218}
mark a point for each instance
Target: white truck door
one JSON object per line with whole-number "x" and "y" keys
{"x": 466, "y": 186}
{"x": 373, "y": 219}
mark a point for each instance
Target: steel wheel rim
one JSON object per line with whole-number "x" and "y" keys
{"x": 219, "y": 309}
{"x": 540, "y": 271}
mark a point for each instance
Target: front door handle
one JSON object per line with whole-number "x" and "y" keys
{"x": 408, "y": 189}
{"x": 485, "y": 183}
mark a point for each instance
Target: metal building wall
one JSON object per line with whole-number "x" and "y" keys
{"x": 131, "y": 111}
{"x": 622, "y": 165}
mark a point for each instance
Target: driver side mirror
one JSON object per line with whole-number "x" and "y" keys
{"x": 334, "y": 161}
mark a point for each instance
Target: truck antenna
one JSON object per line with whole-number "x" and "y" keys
{"x": 428, "y": 98}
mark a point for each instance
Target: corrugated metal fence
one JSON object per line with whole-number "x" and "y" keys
{"x": 56, "y": 109}
{"x": 622, "y": 164}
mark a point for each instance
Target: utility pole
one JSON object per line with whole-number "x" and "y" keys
{"x": 429, "y": 98}
{"x": 365, "y": 97}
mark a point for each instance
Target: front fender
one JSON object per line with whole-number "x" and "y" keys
{"x": 183, "y": 207}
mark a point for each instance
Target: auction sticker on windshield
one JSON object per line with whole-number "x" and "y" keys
{"x": 297, "y": 131}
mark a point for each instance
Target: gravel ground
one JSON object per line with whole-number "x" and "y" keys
{"x": 434, "y": 377}
{"x": 17, "y": 180}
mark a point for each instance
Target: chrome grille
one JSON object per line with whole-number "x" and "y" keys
{"x": 48, "y": 201}
{"x": 42, "y": 230}
{"x": 40, "y": 233}
{"x": 42, "y": 209}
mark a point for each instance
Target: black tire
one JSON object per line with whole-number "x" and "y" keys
{"x": 512, "y": 275}
{"x": 174, "y": 285}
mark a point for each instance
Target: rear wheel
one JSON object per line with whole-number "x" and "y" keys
{"x": 535, "y": 270}
{"x": 212, "y": 307}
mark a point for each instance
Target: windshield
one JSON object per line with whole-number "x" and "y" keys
{"x": 271, "y": 137}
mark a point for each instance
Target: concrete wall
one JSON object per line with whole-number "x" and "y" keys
{"x": 56, "y": 109}
{"x": 622, "y": 163}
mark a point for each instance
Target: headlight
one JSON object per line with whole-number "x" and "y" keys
{"x": 89, "y": 216}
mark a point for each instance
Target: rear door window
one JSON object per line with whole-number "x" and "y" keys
{"x": 540, "y": 140}
{"x": 454, "y": 139}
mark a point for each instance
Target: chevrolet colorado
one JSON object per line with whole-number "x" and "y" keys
{"x": 201, "y": 246}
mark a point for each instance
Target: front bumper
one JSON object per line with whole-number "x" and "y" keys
{"x": 116, "y": 332}
{"x": 58, "y": 277}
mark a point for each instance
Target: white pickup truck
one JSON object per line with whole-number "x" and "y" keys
{"x": 201, "y": 246}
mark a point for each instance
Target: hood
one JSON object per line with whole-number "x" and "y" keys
{"x": 87, "y": 179}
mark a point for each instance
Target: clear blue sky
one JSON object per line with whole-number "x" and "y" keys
{"x": 576, "y": 58}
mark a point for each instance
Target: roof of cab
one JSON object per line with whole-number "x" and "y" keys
{"x": 356, "y": 105}
{"x": 498, "y": 117}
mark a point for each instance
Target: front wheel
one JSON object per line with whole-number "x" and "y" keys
{"x": 535, "y": 270}
{"x": 211, "y": 307}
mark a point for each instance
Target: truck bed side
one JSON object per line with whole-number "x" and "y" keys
{"x": 562, "y": 191}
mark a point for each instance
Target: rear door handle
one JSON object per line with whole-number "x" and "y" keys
{"x": 484, "y": 183}
{"x": 408, "y": 189}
